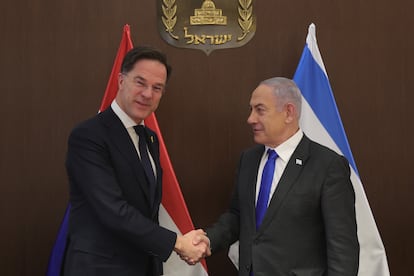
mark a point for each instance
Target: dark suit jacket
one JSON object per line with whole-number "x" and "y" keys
{"x": 113, "y": 225}
{"x": 310, "y": 225}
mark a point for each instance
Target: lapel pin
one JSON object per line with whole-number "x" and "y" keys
{"x": 152, "y": 139}
{"x": 298, "y": 162}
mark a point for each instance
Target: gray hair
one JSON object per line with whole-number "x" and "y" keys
{"x": 286, "y": 91}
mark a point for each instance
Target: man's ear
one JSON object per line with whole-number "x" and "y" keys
{"x": 290, "y": 110}
{"x": 120, "y": 79}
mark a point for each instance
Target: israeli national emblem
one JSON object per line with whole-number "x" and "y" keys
{"x": 206, "y": 25}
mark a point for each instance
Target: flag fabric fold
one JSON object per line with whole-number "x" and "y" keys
{"x": 174, "y": 214}
{"x": 320, "y": 120}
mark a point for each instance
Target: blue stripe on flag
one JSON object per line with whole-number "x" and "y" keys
{"x": 58, "y": 251}
{"x": 315, "y": 88}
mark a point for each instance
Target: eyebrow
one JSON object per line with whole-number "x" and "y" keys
{"x": 139, "y": 78}
{"x": 144, "y": 79}
{"x": 257, "y": 105}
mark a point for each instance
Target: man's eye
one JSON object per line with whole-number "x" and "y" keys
{"x": 157, "y": 88}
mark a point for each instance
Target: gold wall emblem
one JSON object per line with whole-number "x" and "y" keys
{"x": 208, "y": 15}
{"x": 206, "y": 25}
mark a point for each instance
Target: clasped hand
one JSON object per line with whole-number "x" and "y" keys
{"x": 193, "y": 246}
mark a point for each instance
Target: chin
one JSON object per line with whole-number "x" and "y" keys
{"x": 142, "y": 115}
{"x": 258, "y": 141}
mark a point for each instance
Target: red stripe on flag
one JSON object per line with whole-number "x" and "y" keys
{"x": 112, "y": 87}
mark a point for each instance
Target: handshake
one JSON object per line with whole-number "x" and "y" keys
{"x": 193, "y": 246}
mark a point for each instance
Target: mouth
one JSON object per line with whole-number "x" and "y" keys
{"x": 256, "y": 129}
{"x": 143, "y": 104}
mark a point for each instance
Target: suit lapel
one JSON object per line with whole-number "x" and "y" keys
{"x": 292, "y": 171}
{"x": 122, "y": 141}
{"x": 252, "y": 167}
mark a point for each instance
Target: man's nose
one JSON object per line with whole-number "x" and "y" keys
{"x": 147, "y": 91}
{"x": 251, "y": 118}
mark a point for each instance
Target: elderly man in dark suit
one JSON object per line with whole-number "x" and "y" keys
{"x": 293, "y": 208}
{"x": 115, "y": 181}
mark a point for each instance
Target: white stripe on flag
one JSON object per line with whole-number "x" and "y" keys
{"x": 174, "y": 265}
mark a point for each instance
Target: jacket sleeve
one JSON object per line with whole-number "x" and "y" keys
{"x": 338, "y": 210}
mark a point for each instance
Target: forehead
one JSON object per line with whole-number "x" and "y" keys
{"x": 263, "y": 95}
{"x": 150, "y": 70}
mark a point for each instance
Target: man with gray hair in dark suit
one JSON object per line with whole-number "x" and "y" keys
{"x": 293, "y": 207}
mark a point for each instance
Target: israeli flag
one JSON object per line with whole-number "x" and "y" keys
{"x": 321, "y": 122}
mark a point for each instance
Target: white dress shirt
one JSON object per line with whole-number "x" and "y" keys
{"x": 129, "y": 125}
{"x": 284, "y": 151}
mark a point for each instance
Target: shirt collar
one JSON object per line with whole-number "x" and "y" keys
{"x": 125, "y": 119}
{"x": 286, "y": 149}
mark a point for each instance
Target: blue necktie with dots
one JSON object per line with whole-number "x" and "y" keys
{"x": 143, "y": 151}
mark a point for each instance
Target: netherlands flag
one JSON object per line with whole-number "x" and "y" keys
{"x": 321, "y": 122}
{"x": 173, "y": 213}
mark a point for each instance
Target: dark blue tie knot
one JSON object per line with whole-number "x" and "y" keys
{"x": 272, "y": 154}
{"x": 140, "y": 130}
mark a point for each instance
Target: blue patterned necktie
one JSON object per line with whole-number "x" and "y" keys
{"x": 265, "y": 186}
{"x": 143, "y": 151}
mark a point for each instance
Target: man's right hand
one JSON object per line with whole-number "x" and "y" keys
{"x": 193, "y": 246}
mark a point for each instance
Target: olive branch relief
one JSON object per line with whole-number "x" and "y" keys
{"x": 245, "y": 19}
{"x": 169, "y": 9}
